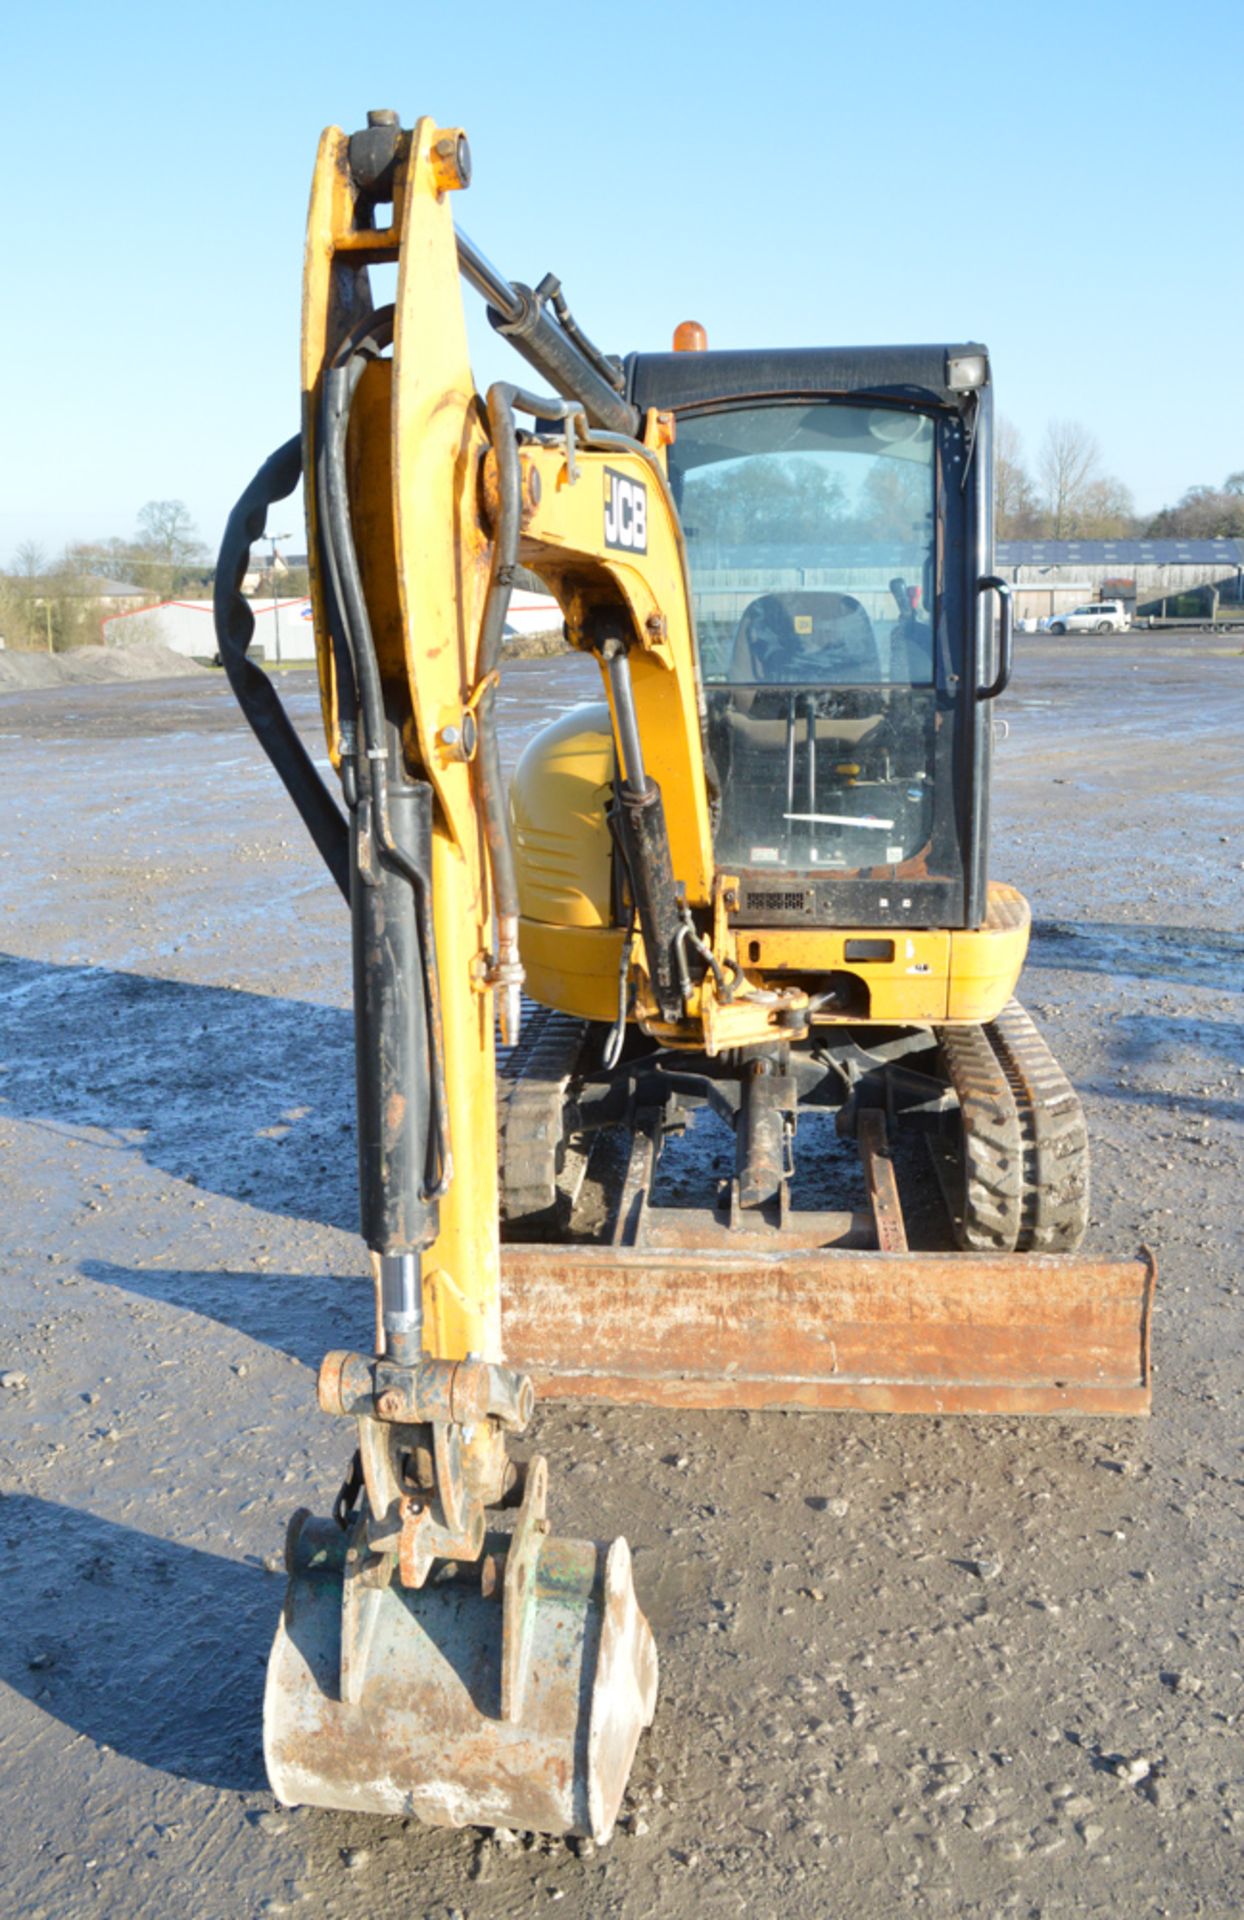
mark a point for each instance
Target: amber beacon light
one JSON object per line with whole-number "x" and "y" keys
{"x": 690, "y": 337}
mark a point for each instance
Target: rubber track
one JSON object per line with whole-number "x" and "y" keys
{"x": 531, "y": 1104}
{"x": 1054, "y": 1138}
{"x": 990, "y": 1217}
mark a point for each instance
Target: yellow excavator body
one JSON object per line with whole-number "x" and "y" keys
{"x": 571, "y": 943}
{"x": 750, "y": 880}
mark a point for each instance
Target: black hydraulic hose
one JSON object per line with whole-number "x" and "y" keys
{"x": 341, "y": 379}
{"x": 487, "y": 761}
{"x": 558, "y": 360}
{"x": 367, "y": 341}
{"x": 550, "y": 289}
{"x": 255, "y": 693}
{"x": 340, "y": 383}
{"x": 343, "y": 650}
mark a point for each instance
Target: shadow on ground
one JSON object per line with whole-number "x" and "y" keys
{"x": 240, "y": 1093}
{"x": 1169, "y": 1051}
{"x": 301, "y": 1314}
{"x": 155, "y": 1650}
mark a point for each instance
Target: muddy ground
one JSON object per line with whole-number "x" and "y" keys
{"x": 978, "y": 1667}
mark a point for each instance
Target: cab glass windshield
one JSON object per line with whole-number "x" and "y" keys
{"x": 810, "y": 541}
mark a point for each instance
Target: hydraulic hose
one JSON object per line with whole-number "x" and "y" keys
{"x": 558, "y": 360}
{"x": 255, "y": 693}
{"x": 367, "y": 342}
{"x": 486, "y": 762}
{"x": 346, "y": 598}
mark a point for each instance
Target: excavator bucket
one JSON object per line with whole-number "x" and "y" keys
{"x": 882, "y": 1332}
{"x": 510, "y": 1693}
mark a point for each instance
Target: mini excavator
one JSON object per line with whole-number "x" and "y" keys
{"x": 748, "y": 886}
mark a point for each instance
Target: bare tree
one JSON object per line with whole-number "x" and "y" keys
{"x": 29, "y": 607}
{"x": 110, "y": 556}
{"x": 30, "y": 562}
{"x": 1107, "y": 510}
{"x": 167, "y": 532}
{"x": 1016, "y": 513}
{"x": 167, "y": 546}
{"x": 1068, "y": 464}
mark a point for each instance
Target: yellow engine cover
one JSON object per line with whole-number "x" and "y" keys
{"x": 559, "y": 795}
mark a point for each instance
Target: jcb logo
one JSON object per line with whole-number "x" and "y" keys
{"x": 626, "y": 512}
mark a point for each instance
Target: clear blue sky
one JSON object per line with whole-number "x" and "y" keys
{"x": 1059, "y": 180}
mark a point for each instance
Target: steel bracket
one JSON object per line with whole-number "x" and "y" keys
{"x": 518, "y": 1616}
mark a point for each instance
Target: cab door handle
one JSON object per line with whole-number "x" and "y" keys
{"x": 1006, "y": 647}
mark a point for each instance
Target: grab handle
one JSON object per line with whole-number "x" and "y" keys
{"x": 1006, "y": 646}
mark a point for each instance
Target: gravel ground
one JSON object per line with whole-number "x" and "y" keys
{"x": 977, "y": 1667}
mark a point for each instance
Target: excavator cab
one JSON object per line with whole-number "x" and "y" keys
{"x": 835, "y": 508}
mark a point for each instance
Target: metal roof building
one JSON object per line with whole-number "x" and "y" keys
{"x": 1227, "y": 555}
{"x": 1152, "y": 576}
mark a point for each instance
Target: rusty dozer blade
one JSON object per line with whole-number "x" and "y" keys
{"x": 508, "y": 1693}
{"x": 883, "y": 1332}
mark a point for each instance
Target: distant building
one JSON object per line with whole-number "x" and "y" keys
{"x": 533, "y": 613}
{"x": 93, "y": 590}
{"x": 1151, "y": 576}
{"x": 119, "y": 594}
{"x": 79, "y": 596}
{"x": 283, "y": 628}
{"x": 262, "y": 571}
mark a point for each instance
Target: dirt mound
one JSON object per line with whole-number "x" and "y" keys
{"x": 144, "y": 660}
{"x": 536, "y": 646}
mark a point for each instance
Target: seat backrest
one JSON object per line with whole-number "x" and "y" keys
{"x": 806, "y": 637}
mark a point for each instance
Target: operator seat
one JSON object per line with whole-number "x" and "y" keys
{"x": 805, "y": 639}
{"x": 795, "y": 640}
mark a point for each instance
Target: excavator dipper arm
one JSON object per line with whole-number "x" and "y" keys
{"x": 427, "y": 1661}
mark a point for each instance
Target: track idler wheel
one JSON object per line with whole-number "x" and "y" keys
{"x": 510, "y": 1692}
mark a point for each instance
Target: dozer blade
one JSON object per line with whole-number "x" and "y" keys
{"x": 884, "y": 1332}
{"x": 511, "y": 1702}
